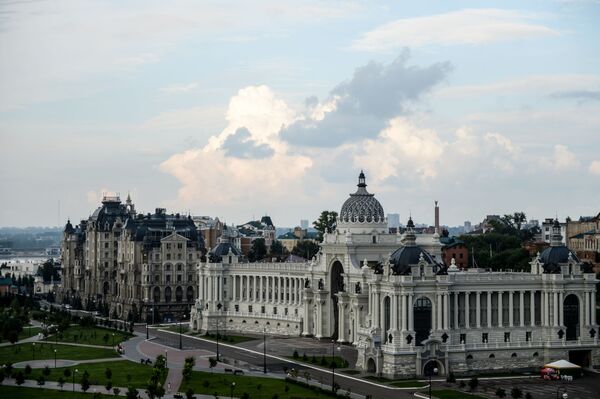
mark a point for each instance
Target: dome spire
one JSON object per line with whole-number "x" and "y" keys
{"x": 361, "y": 179}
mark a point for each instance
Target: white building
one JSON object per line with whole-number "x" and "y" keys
{"x": 390, "y": 297}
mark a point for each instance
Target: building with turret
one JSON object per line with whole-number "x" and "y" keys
{"x": 392, "y": 297}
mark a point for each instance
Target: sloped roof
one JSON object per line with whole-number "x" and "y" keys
{"x": 562, "y": 364}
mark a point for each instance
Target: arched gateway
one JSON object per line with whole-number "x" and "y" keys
{"x": 337, "y": 285}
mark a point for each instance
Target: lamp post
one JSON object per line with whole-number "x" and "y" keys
{"x": 564, "y": 395}
{"x": 166, "y": 357}
{"x": 113, "y": 339}
{"x": 33, "y": 350}
{"x": 232, "y": 388}
{"x": 265, "y": 350}
{"x": 434, "y": 372}
{"x": 74, "y": 379}
{"x": 180, "y": 345}
{"x": 54, "y": 358}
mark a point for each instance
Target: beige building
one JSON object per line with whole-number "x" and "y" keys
{"x": 583, "y": 236}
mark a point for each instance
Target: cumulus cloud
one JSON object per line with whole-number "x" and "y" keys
{"x": 562, "y": 159}
{"x": 241, "y": 145}
{"x": 594, "y": 168}
{"x": 360, "y": 107}
{"x": 469, "y": 26}
{"x": 246, "y": 160}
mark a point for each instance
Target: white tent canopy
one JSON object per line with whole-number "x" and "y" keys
{"x": 561, "y": 364}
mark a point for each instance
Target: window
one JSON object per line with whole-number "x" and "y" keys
{"x": 374, "y": 240}
{"x": 179, "y": 245}
{"x": 285, "y": 311}
{"x": 168, "y": 246}
{"x": 274, "y": 310}
{"x": 179, "y": 256}
{"x": 262, "y": 309}
{"x": 224, "y": 281}
{"x": 460, "y": 255}
{"x": 179, "y": 278}
{"x": 527, "y": 336}
{"x": 189, "y": 278}
{"x": 463, "y": 338}
{"x": 105, "y": 245}
{"x": 168, "y": 280}
{"x": 250, "y": 308}
{"x": 484, "y": 337}
{"x": 157, "y": 279}
{"x": 179, "y": 267}
{"x": 157, "y": 257}
{"x": 106, "y": 235}
{"x": 237, "y": 308}
{"x": 506, "y": 337}
{"x": 296, "y": 311}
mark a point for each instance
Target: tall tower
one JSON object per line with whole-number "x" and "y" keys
{"x": 437, "y": 218}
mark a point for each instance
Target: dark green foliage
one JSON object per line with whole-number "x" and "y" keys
{"x": 258, "y": 251}
{"x": 187, "y": 368}
{"x": 516, "y": 393}
{"x": 131, "y": 393}
{"x": 19, "y": 378}
{"x": 304, "y": 357}
{"x": 306, "y": 249}
{"x": 326, "y": 223}
{"x": 501, "y": 393}
{"x": 108, "y": 373}
{"x": 189, "y": 394}
{"x": 108, "y": 385}
{"x": 46, "y": 371}
{"x": 61, "y": 382}
{"x": 67, "y": 373}
{"x": 528, "y": 396}
{"x": 473, "y": 383}
{"x": 27, "y": 369}
{"x": 451, "y": 378}
{"x": 41, "y": 380}
{"x": 462, "y": 384}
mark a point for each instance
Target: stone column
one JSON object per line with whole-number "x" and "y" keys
{"x": 440, "y": 308}
{"x": 561, "y": 315}
{"x": 446, "y": 312}
{"x": 394, "y": 311}
{"x": 410, "y": 313}
{"x": 233, "y": 286}
{"x": 500, "y": 308}
{"x": 478, "y": 307}
{"x": 467, "y": 310}
{"x": 555, "y": 318}
{"x": 404, "y": 320}
{"x": 587, "y": 309}
{"x": 511, "y": 308}
{"x": 455, "y": 313}
{"x": 521, "y": 309}
{"x": 489, "y": 308}
{"x": 593, "y": 306}
{"x": 532, "y": 308}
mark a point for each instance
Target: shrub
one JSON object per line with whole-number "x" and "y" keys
{"x": 473, "y": 383}
{"x": 41, "y": 380}
{"x": 108, "y": 385}
{"x": 67, "y": 373}
{"x": 516, "y": 393}
{"x": 61, "y": 382}
{"x": 19, "y": 378}
{"x": 528, "y": 396}
{"x": 304, "y": 357}
{"x": 189, "y": 394}
{"x": 46, "y": 371}
{"x": 116, "y": 391}
{"x": 205, "y": 384}
{"x": 462, "y": 384}
{"x": 313, "y": 359}
{"x": 500, "y": 393}
{"x": 451, "y": 378}
{"x": 295, "y": 355}
{"x": 108, "y": 373}
{"x": 27, "y": 369}
{"x": 323, "y": 361}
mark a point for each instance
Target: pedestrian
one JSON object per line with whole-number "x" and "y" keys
{"x": 169, "y": 387}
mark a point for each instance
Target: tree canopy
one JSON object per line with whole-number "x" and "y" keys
{"x": 258, "y": 251}
{"x": 326, "y": 223}
{"x": 306, "y": 249}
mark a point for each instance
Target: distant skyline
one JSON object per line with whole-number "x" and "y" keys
{"x": 232, "y": 109}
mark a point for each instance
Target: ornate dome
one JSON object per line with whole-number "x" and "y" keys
{"x": 552, "y": 257}
{"x": 410, "y": 254}
{"x": 362, "y": 207}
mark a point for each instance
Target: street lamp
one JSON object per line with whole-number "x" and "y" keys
{"x": 166, "y": 357}
{"x": 564, "y": 395}
{"x": 232, "y": 388}
{"x": 433, "y": 372}
{"x": 54, "y": 358}
{"x": 265, "y": 350}
{"x": 113, "y": 335}
{"x": 333, "y": 365}
{"x": 180, "y": 346}
{"x": 74, "y": 379}
{"x": 33, "y": 350}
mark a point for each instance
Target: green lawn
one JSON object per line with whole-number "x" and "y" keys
{"x": 451, "y": 394}
{"x": 34, "y": 393}
{"x": 45, "y": 350}
{"x": 318, "y": 361}
{"x": 408, "y": 384}
{"x": 140, "y": 374}
{"x": 26, "y": 333}
{"x": 90, "y": 336}
{"x": 256, "y": 387}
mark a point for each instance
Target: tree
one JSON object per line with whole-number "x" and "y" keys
{"x": 61, "y": 382}
{"x": 189, "y": 394}
{"x": 116, "y": 391}
{"x": 131, "y": 393}
{"x": 500, "y": 393}
{"x": 187, "y": 368}
{"x": 473, "y": 383}
{"x": 306, "y": 249}
{"x": 277, "y": 249}
{"x": 108, "y": 385}
{"x": 451, "y": 378}
{"x": 46, "y": 371}
{"x": 67, "y": 373}
{"x": 258, "y": 250}
{"x": 326, "y": 223}
{"x": 516, "y": 393}
{"x": 108, "y": 373}
{"x": 27, "y": 369}
{"x": 2, "y": 376}
{"x": 85, "y": 381}
{"x": 212, "y": 362}
{"x": 19, "y": 378}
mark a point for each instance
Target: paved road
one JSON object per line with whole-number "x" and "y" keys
{"x": 276, "y": 365}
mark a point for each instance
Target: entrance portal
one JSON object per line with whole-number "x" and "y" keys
{"x": 422, "y": 319}
{"x": 337, "y": 285}
{"x": 429, "y": 368}
{"x": 581, "y": 358}
{"x": 371, "y": 368}
{"x": 571, "y": 314}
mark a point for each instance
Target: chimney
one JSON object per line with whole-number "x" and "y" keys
{"x": 437, "y": 218}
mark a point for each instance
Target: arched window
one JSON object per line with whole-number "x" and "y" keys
{"x": 156, "y": 294}
{"x": 513, "y": 355}
{"x": 469, "y": 357}
{"x": 535, "y": 354}
{"x": 492, "y": 356}
{"x": 168, "y": 267}
{"x": 387, "y": 314}
{"x": 179, "y": 294}
{"x": 190, "y": 293}
{"x": 168, "y": 294}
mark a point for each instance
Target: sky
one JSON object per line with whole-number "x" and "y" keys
{"x": 241, "y": 109}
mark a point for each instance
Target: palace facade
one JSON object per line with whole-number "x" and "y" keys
{"x": 391, "y": 297}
